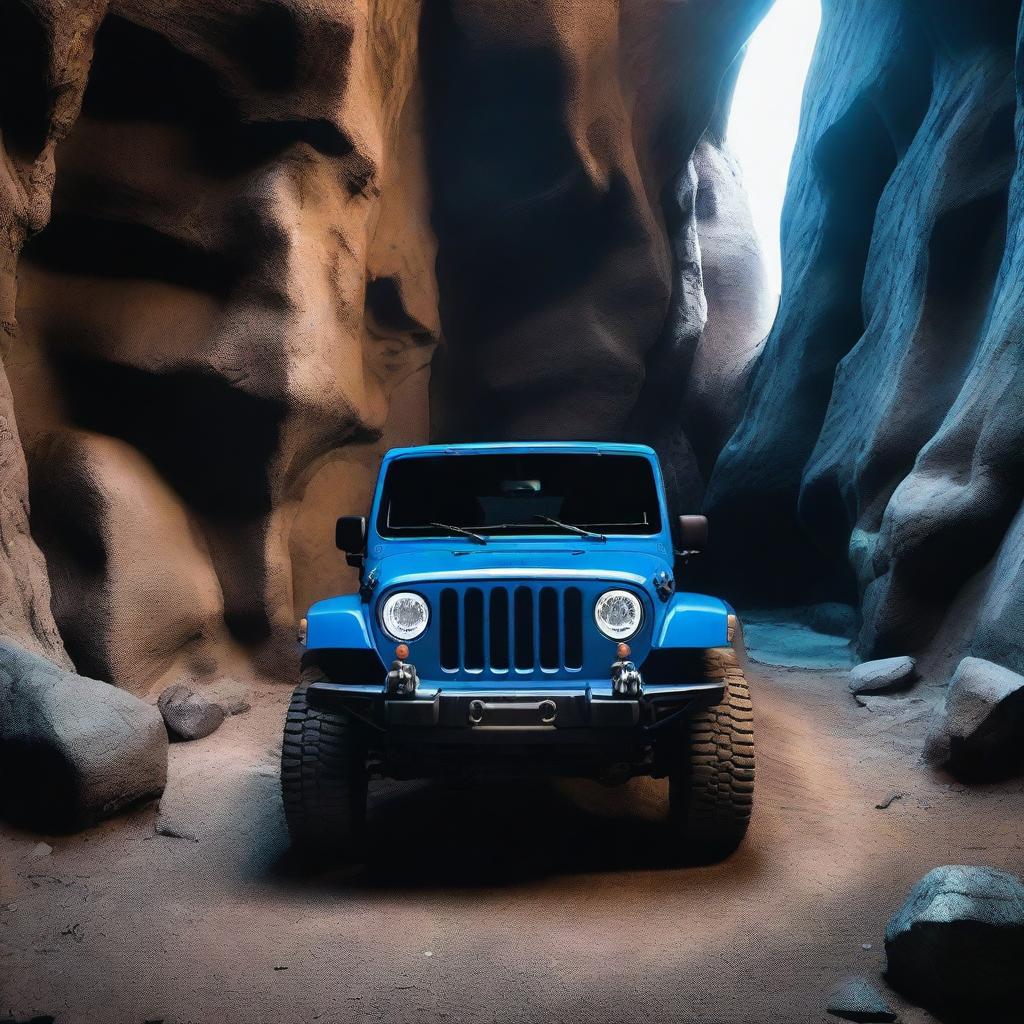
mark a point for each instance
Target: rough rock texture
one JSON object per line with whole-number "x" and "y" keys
{"x": 958, "y": 941}
{"x": 858, "y": 1000}
{"x": 980, "y": 731}
{"x": 234, "y": 307}
{"x": 45, "y": 46}
{"x": 883, "y": 676}
{"x": 72, "y": 750}
{"x": 187, "y": 714}
{"x": 882, "y": 444}
{"x": 596, "y": 263}
{"x": 236, "y": 279}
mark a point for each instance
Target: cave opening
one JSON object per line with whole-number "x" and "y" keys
{"x": 765, "y": 116}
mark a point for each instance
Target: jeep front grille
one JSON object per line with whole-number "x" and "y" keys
{"x": 522, "y": 627}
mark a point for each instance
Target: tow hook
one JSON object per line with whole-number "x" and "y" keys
{"x": 402, "y": 679}
{"x": 626, "y": 678}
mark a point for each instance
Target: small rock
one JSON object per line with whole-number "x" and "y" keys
{"x": 866, "y": 946}
{"x": 884, "y": 676}
{"x": 41, "y": 850}
{"x": 889, "y": 800}
{"x": 175, "y": 832}
{"x": 858, "y": 1000}
{"x": 232, "y": 697}
{"x": 957, "y": 943}
{"x": 188, "y": 715}
{"x": 980, "y": 731}
{"x": 892, "y": 705}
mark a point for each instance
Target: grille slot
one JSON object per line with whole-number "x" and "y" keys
{"x": 473, "y": 637}
{"x": 523, "y": 628}
{"x": 549, "y": 628}
{"x": 573, "y": 620}
{"x": 448, "y": 641}
{"x": 497, "y": 629}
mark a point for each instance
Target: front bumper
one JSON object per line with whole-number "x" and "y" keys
{"x": 536, "y": 715}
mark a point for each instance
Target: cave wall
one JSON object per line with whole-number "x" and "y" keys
{"x": 883, "y": 435}
{"x": 234, "y": 307}
{"x": 45, "y": 49}
{"x": 236, "y": 279}
{"x": 599, "y": 274}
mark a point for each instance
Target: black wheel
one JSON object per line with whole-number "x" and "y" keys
{"x": 323, "y": 780}
{"x": 711, "y": 768}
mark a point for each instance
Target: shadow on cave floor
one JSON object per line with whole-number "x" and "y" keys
{"x": 432, "y": 834}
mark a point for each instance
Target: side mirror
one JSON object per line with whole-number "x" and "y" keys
{"x": 693, "y": 533}
{"x": 350, "y": 536}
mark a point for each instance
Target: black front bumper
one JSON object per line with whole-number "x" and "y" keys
{"x": 534, "y": 716}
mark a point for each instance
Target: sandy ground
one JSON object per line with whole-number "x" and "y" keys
{"x": 500, "y": 903}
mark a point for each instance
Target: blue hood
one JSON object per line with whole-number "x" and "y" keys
{"x": 614, "y": 561}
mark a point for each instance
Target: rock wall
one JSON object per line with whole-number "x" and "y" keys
{"x": 598, "y": 271}
{"x": 235, "y": 306}
{"x": 45, "y": 48}
{"x": 237, "y": 278}
{"x": 882, "y": 444}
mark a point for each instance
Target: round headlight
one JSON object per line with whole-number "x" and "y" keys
{"x": 404, "y": 616}
{"x": 618, "y": 614}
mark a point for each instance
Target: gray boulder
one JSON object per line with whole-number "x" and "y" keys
{"x": 980, "y": 731}
{"x": 858, "y": 1000}
{"x": 73, "y": 750}
{"x": 957, "y": 944}
{"x": 189, "y": 715}
{"x": 886, "y": 675}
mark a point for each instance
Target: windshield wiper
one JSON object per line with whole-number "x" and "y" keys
{"x": 572, "y": 529}
{"x": 459, "y": 530}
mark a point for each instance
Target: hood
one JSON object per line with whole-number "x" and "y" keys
{"x": 615, "y": 562}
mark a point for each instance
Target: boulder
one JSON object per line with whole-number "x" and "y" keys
{"x": 189, "y": 715}
{"x": 980, "y": 730}
{"x": 883, "y": 676}
{"x": 858, "y": 1000}
{"x": 957, "y": 944}
{"x": 72, "y": 749}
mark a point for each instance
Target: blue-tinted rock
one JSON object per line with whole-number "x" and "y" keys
{"x": 858, "y": 1000}
{"x": 957, "y": 943}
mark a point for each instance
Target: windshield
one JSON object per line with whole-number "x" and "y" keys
{"x": 488, "y": 495}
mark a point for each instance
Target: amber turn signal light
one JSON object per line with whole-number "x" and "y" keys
{"x": 623, "y": 651}
{"x": 402, "y": 652}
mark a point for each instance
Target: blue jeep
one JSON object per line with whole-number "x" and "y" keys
{"x": 518, "y": 614}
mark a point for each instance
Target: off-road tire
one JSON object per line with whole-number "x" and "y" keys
{"x": 711, "y": 768}
{"x": 323, "y": 780}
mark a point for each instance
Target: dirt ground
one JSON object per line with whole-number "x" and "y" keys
{"x": 522, "y": 902}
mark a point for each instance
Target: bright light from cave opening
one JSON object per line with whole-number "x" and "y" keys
{"x": 766, "y": 114}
